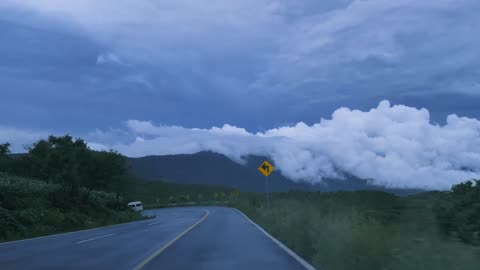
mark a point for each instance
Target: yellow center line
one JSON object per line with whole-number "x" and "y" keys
{"x": 158, "y": 252}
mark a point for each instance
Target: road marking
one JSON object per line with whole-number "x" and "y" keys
{"x": 286, "y": 249}
{"x": 79, "y": 231}
{"x": 154, "y": 223}
{"x": 96, "y": 238}
{"x": 158, "y": 252}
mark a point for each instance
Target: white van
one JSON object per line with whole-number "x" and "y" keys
{"x": 136, "y": 206}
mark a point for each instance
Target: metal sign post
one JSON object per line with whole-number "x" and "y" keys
{"x": 266, "y": 169}
{"x": 268, "y": 199}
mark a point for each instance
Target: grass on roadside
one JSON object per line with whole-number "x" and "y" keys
{"x": 361, "y": 230}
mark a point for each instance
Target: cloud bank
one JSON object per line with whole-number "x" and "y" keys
{"x": 396, "y": 146}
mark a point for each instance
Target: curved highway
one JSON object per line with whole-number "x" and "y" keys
{"x": 177, "y": 238}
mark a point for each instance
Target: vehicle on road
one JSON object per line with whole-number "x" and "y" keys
{"x": 136, "y": 206}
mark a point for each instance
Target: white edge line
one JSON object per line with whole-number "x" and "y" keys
{"x": 95, "y": 238}
{"x": 154, "y": 223}
{"x": 65, "y": 233}
{"x": 171, "y": 242}
{"x": 285, "y": 248}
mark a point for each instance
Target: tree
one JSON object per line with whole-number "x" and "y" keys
{"x": 458, "y": 212}
{"x": 5, "y": 162}
{"x": 4, "y": 150}
{"x": 72, "y": 164}
{"x": 59, "y": 160}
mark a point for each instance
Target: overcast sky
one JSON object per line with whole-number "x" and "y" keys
{"x": 112, "y": 71}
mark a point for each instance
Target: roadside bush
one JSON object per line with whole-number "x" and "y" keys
{"x": 102, "y": 199}
{"x": 30, "y": 208}
{"x": 18, "y": 192}
{"x": 9, "y": 225}
{"x": 458, "y": 212}
{"x": 21, "y": 186}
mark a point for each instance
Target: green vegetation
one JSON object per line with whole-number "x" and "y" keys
{"x": 4, "y": 150}
{"x": 70, "y": 163}
{"x": 60, "y": 185}
{"x": 32, "y": 208}
{"x": 362, "y": 230}
{"x": 459, "y": 212}
{"x": 156, "y": 194}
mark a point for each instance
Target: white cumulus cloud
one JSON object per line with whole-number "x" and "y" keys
{"x": 396, "y": 146}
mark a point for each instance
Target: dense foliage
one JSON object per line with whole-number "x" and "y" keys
{"x": 458, "y": 212}
{"x": 69, "y": 162}
{"x": 78, "y": 188}
{"x": 30, "y": 207}
{"x": 361, "y": 230}
{"x": 4, "y": 150}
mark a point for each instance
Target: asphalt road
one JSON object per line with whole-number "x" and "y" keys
{"x": 178, "y": 238}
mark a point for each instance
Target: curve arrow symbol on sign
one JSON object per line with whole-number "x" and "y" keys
{"x": 266, "y": 167}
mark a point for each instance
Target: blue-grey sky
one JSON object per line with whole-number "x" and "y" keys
{"x": 78, "y": 65}
{"x": 87, "y": 67}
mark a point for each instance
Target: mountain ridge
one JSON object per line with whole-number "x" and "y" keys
{"x": 216, "y": 169}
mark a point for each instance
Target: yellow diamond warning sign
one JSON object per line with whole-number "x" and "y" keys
{"x": 266, "y": 168}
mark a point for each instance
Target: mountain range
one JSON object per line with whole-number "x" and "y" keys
{"x": 217, "y": 169}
